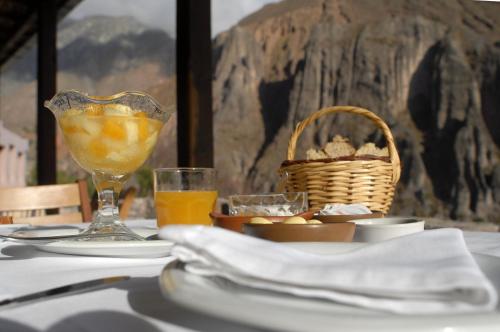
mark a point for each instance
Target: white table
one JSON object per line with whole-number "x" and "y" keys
{"x": 133, "y": 305}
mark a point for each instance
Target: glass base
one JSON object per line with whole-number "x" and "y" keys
{"x": 113, "y": 230}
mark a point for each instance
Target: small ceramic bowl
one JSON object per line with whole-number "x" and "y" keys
{"x": 348, "y": 217}
{"x": 235, "y": 223}
{"x": 376, "y": 230}
{"x": 334, "y": 232}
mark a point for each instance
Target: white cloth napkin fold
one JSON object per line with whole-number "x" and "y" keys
{"x": 427, "y": 272}
{"x": 344, "y": 209}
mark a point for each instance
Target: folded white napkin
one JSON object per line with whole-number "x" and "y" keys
{"x": 344, "y": 209}
{"x": 427, "y": 272}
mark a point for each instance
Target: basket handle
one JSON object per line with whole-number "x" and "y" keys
{"x": 393, "y": 153}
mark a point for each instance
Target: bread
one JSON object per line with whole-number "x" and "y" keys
{"x": 313, "y": 154}
{"x": 339, "y": 147}
{"x": 372, "y": 150}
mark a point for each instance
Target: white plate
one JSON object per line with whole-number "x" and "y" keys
{"x": 7, "y": 229}
{"x": 156, "y": 248}
{"x": 381, "y": 229}
{"x": 11, "y": 227}
{"x": 124, "y": 249}
{"x": 42, "y": 231}
{"x": 275, "y": 311}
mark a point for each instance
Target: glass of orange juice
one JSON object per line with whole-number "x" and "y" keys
{"x": 184, "y": 195}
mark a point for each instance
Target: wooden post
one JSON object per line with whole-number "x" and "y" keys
{"x": 194, "y": 84}
{"x": 47, "y": 70}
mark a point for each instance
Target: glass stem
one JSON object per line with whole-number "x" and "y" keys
{"x": 108, "y": 190}
{"x": 107, "y": 220}
{"x": 108, "y": 204}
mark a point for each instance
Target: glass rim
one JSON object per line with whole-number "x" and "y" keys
{"x": 105, "y": 99}
{"x": 268, "y": 194}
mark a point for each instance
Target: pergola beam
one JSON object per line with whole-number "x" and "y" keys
{"x": 47, "y": 70}
{"x": 194, "y": 84}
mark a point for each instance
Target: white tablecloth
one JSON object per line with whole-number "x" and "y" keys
{"x": 133, "y": 305}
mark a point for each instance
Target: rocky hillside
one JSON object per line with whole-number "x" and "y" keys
{"x": 430, "y": 68}
{"x": 99, "y": 46}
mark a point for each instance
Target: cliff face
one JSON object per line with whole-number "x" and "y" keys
{"x": 431, "y": 69}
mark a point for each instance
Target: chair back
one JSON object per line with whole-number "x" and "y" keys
{"x": 126, "y": 202}
{"x": 36, "y": 205}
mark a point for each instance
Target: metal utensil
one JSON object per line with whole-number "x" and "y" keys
{"x": 62, "y": 290}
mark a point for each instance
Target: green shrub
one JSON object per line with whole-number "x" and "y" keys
{"x": 144, "y": 178}
{"x": 64, "y": 177}
{"x": 32, "y": 177}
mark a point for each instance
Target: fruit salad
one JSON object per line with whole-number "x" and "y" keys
{"x": 112, "y": 138}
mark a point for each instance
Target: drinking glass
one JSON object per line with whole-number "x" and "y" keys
{"x": 110, "y": 137}
{"x": 184, "y": 195}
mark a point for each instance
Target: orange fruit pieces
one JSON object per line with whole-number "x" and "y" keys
{"x": 142, "y": 123}
{"x": 113, "y": 130}
{"x": 97, "y": 149}
{"x": 73, "y": 129}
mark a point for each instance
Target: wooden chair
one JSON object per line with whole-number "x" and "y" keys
{"x": 126, "y": 202}
{"x": 29, "y": 205}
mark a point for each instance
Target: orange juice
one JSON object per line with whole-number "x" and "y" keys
{"x": 184, "y": 207}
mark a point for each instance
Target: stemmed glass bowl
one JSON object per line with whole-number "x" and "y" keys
{"x": 110, "y": 137}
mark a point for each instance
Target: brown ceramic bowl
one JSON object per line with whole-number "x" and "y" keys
{"x": 235, "y": 223}
{"x": 348, "y": 217}
{"x": 334, "y": 232}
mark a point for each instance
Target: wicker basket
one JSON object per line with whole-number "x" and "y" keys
{"x": 370, "y": 181}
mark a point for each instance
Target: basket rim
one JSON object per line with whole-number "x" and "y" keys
{"x": 367, "y": 158}
{"x": 393, "y": 153}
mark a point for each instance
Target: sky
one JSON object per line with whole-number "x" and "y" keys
{"x": 161, "y": 13}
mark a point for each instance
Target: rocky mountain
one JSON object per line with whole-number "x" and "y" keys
{"x": 430, "y": 68}
{"x": 99, "y": 46}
